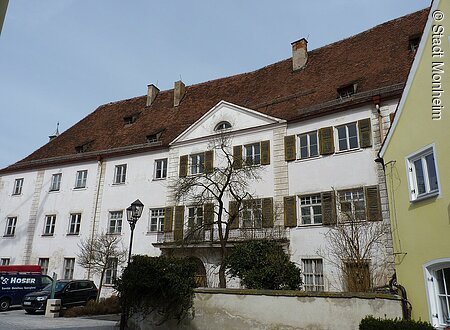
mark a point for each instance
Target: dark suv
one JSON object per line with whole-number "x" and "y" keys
{"x": 71, "y": 293}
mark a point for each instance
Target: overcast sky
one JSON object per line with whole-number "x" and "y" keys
{"x": 61, "y": 59}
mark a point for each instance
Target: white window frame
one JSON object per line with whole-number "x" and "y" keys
{"x": 44, "y": 262}
{"x": 111, "y": 271}
{"x": 74, "y": 224}
{"x": 251, "y": 155}
{"x": 156, "y": 221}
{"x": 80, "y": 179}
{"x": 318, "y": 279}
{"x": 412, "y": 174}
{"x": 251, "y": 214}
{"x": 160, "y": 171}
{"x": 5, "y": 261}
{"x": 429, "y": 271}
{"x": 356, "y": 195}
{"x": 18, "y": 185}
{"x": 120, "y": 174}
{"x": 49, "y": 225}
{"x": 197, "y": 163}
{"x": 347, "y": 137}
{"x": 310, "y": 202}
{"x": 69, "y": 267}
{"x": 115, "y": 222}
{"x": 55, "y": 184}
{"x": 11, "y": 223}
{"x": 308, "y": 145}
{"x": 223, "y": 125}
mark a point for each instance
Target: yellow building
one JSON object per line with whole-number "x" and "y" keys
{"x": 416, "y": 155}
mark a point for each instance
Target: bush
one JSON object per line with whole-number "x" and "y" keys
{"x": 104, "y": 306}
{"x": 263, "y": 265}
{"x": 371, "y": 323}
{"x": 164, "y": 285}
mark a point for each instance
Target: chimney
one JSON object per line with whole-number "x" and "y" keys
{"x": 151, "y": 94}
{"x": 178, "y": 92}
{"x": 299, "y": 54}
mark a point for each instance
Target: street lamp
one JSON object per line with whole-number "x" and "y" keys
{"x": 134, "y": 212}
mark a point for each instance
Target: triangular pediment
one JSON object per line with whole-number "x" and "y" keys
{"x": 239, "y": 118}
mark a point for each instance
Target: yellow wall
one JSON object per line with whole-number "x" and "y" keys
{"x": 421, "y": 230}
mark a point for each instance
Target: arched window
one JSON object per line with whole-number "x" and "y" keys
{"x": 222, "y": 125}
{"x": 438, "y": 278}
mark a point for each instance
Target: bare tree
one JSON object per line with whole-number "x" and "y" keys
{"x": 229, "y": 180}
{"x": 97, "y": 253}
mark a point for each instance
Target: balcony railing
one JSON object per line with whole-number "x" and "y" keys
{"x": 212, "y": 236}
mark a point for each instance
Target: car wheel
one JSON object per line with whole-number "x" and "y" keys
{"x": 30, "y": 311}
{"x": 4, "y": 304}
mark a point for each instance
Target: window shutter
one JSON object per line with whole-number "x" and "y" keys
{"x": 391, "y": 117}
{"x": 179, "y": 223}
{"x": 290, "y": 211}
{"x": 265, "y": 152}
{"x": 183, "y": 165}
{"x": 365, "y": 133}
{"x": 233, "y": 213}
{"x": 289, "y": 148}
{"x": 237, "y": 157}
{"x": 373, "y": 203}
{"x": 267, "y": 212}
{"x": 209, "y": 161}
{"x": 328, "y": 208}
{"x": 326, "y": 140}
{"x": 168, "y": 214}
{"x": 208, "y": 213}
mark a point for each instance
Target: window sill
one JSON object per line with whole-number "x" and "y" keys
{"x": 425, "y": 196}
{"x": 112, "y": 234}
{"x": 16, "y": 195}
{"x": 9, "y": 236}
{"x": 118, "y": 184}
{"x": 73, "y": 234}
{"x": 151, "y": 233}
{"x": 301, "y": 160}
{"x": 79, "y": 188}
{"x": 53, "y": 191}
{"x": 48, "y": 235}
{"x": 348, "y": 151}
{"x": 159, "y": 179}
{"x": 308, "y": 225}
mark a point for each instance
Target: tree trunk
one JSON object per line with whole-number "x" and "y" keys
{"x": 101, "y": 283}
{"x": 222, "y": 268}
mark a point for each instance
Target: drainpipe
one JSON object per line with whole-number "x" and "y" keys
{"x": 400, "y": 289}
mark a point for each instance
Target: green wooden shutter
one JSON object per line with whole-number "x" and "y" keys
{"x": 209, "y": 161}
{"x": 290, "y": 211}
{"x": 208, "y": 213}
{"x": 289, "y": 148}
{"x": 326, "y": 140}
{"x": 168, "y": 214}
{"x": 265, "y": 152}
{"x": 365, "y": 133}
{"x": 183, "y": 165}
{"x": 179, "y": 223}
{"x": 328, "y": 208}
{"x": 267, "y": 212}
{"x": 237, "y": 157}
{"x": 373, "y": 203}
{"x": 233, "y": 215}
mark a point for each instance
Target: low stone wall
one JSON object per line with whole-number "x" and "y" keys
{"x": 264, "y": 309}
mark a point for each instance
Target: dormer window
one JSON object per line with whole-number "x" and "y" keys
{"x": 85, "y": 147}
{"x": 222, "y": 125}
{"x": 347, "y": 90}
{"x": 128, "y": 120}
{"x": 414, "y": 43}
{"x": 153, "y": 138}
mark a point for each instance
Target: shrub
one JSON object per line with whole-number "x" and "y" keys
{"x": 103, "y": 306}
{"x": 164, "y": 285}
{"x": 262, "y": 264}
{"x": 371, "y": 323}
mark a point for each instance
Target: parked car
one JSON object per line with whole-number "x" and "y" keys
{"x": 71, "y": 293}
{"x": 17, "y": 281}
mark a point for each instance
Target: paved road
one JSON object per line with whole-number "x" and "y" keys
{"x": 17, "y": 319}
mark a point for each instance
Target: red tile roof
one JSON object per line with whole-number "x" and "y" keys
{"x": 378, "y": 59}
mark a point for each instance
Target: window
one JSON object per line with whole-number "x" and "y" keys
{"x": 414, "y": 42}
{"x": 443, "y": 294}
{"x": 55, "y": 185}
{"x": 128, "y": 120}
{"x": 161, "y": 168}
{"x": 253, "y": 154}
{"x": 423, "y": 176}
{"x": 111, "y": 271}
{"x": 438, "y": 289}
{"x": 85, "y": 147}
{"x": 347, "y": 91}
{"x": 74, "y": 224}
{"x": 222, "y": 125}
{"x": 252, "y": 214}
{"x": 352, "y": 204}
{"x": 153, "y": 138}
{"x": 347, "y": 137}
{"x": 4, "y": 261}
{"x": 49, "y": 226}
{"x": 10, "y": 226}
{"x": 197, "y": 163}
{"x": 43, "y": 262}
{"x": 311, "y": 209}
{"x": 69, "y": 265}
{"x": 313, "y": 275}
{"x": 80, "y": 181}
{"x": 308, "y": 145}
{"x": 157, "y": 220}
{"x": 120, "y": 174}
{"x": 195, "y": 223}
{"x": 18, "y": 184}
{"x": 115, "y": 222}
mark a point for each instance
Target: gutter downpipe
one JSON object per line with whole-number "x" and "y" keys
{"x": 398, "y": 288}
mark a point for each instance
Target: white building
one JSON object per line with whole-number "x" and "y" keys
{"x": 313, "y": 122}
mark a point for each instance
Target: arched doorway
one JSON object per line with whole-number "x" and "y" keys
{"x": 200, "y": 274}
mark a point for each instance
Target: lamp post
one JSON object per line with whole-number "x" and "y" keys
{"x": 134, "y": 212}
